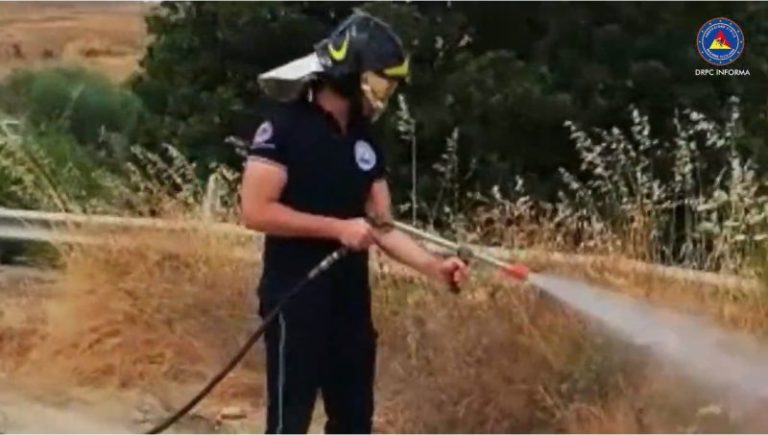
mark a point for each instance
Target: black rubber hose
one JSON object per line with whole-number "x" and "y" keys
{"x": 320, "y": 268}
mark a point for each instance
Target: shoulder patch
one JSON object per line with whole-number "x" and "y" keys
{"x": 364, "y": 155}
{"x": 263, "y": 134}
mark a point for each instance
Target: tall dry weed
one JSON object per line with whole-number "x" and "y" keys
{"x": 693, "y": 200}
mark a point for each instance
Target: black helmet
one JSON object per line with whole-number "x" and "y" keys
{"x": 363, "y": 43}
{"x": 362, "y": 49}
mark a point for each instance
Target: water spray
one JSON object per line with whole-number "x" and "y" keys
{"x": 733, "y": 363}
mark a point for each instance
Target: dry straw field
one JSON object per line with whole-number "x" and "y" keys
{"x": 106, "y": 36}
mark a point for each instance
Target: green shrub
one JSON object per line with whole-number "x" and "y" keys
{"x": 48, "y": 169}
{"x": 82, "y": 103}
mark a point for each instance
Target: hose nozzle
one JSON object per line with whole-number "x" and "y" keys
{"x": 517, "y": 271}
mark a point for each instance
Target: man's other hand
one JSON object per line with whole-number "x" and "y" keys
{"x": 451, "y": 270}
{"x": 356, "y": 234}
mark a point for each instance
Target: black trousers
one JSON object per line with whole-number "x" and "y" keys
{"x": 323, "y": 341}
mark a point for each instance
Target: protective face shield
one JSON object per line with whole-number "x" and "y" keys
{"x": 287, "y": 82}
{"x": 362, "y": 46}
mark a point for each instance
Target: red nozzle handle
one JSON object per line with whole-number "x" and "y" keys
{"x": 517, "y": 271}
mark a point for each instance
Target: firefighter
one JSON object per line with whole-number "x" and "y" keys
{"x": 313, "y": 174}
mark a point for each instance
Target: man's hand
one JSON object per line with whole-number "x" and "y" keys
{"x": 355, "y": 234}
{"x": 450, "y": 270}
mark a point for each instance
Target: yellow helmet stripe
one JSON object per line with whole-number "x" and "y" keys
{"x": 401, "y": 70}
{"x": 338, "y": 54}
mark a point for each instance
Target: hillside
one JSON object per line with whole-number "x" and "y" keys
{"x": 107, "y": 37}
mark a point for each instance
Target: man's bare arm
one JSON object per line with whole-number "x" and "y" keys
{"x": 401, "y": 246}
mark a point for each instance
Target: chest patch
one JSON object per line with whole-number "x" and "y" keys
{"x": 364, "y": 155}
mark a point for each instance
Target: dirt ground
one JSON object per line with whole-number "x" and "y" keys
{"x": 29, "y": 404}
{"x": 106, "y": 36}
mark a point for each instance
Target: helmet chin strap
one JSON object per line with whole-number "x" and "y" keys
{"x": 377, "y": 105}
{"x": 357, "y": 91}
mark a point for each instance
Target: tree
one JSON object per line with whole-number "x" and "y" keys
{"x": 506, "y": 75}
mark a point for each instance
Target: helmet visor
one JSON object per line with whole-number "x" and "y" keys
{"x": 377, "y": 90}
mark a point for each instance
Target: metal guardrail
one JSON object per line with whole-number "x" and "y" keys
{"x": 39, "y": 235}
{"x": 69, "y": 228}
{"x": 28, "y": 225}
{"x": 30, "y": 218}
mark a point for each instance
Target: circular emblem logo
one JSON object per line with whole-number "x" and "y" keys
{"x": 720, "y": 41}
{"x": 364, "y": 155}
{"x": 263, "y": 133}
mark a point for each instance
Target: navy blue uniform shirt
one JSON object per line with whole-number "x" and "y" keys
{"x": 329, "y": 174}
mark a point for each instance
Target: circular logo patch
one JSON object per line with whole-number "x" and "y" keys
{"x": 720, "y": 41}
{"x": 364, "y": 155}
{"x": 263, "y": 133}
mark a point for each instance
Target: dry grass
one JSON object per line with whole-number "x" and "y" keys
{"x": 169, "y": 311}
{"x": 505, "y": 358}
{"x": 108, "y": 37}
{"x": 161, "y": 313}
